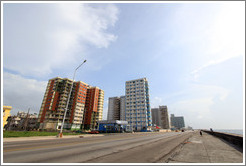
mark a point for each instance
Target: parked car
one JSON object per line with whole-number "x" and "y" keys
{"x": 94, "y": 132}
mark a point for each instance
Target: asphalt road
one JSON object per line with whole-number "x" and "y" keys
{"x": 115, "y": 148}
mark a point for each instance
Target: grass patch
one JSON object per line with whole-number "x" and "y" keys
{"x": 8, "y": 134}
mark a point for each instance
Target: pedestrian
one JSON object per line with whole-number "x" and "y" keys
{"x": 200, "y": 132}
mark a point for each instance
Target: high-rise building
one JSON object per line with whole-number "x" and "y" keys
{"x": 122, "y": 107}
{"x": 177, "y": 121}
{"x": 160, "y": 117}
{"x": 6, "y": 114}
{"x": 165, "y": 122}
{"x": 94, "y": 107}
{"x": 55, "y": 99}
{"x": 113, "y": 108}
{"x": 116, "y": 108}
{"x": 137, "y": 109}
{"x": 156, "y": 118}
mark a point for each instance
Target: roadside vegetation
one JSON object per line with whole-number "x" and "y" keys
{"x": 8, "y": 134}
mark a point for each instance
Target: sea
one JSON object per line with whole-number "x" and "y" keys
{"x": 231, "y": 131}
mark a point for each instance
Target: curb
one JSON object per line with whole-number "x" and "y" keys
{"x": 14, "y": 139}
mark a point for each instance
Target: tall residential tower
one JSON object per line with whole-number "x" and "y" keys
{"x": 116, "y": 108}
{"x": 113, "y": 108}
{"x": 160, "y": 117}
{"x": 137, "y": 111}
{"x": 55, "y": 99}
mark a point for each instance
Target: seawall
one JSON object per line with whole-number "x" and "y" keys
{"x": 231, "y": 138}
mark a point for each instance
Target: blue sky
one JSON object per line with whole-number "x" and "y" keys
{"x": 191, "y": 53}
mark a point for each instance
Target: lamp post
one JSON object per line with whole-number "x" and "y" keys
{"x": 64, "y": 117}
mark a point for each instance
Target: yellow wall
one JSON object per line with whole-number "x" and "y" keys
{"x": 6, "y": 114}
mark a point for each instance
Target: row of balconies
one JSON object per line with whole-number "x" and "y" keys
{"x": 136, "y": 96}
{"x": 136, "y": 117}
{"x": 134, "y": 107}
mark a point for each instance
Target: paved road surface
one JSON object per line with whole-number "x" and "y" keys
{"x": 115, "y": 148}
{"x": 206, "y": 149}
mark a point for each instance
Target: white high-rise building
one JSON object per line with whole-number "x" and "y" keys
{"x": 137, "y": 111}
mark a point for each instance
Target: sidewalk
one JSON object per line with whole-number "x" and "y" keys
{"x": 12, "y": 139}
{"x": 206, "y": 149}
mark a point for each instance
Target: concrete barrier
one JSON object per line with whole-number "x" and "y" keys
{"x": 232, "y": 138}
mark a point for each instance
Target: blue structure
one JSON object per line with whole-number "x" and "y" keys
{"x": 111, "y": 126}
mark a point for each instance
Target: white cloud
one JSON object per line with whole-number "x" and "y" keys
{"x": 51, "y": 36}
{"x": 22, "y": 93}
{"x": 225, "y": 37}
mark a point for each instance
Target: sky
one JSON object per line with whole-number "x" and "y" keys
{"x": 193, "y": 54}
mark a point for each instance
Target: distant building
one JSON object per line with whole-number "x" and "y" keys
{"x": 177, "y": 121}
{"x": 165, "y": 121}
{"x": 189, "y": 128}
{"x": 156, "y": 118}
{"x": 84, "y": 109}
{"x": 138, "y": 113}
{"x": 113, "y": 108}
{"x": 22, "y": 121}
{"x": 14, "y": 123}
{"x": 6, "y": 114}
{"x": 116, "y": 108}
{"x": 122, "y": 108}
{"x": 160, "y": 117}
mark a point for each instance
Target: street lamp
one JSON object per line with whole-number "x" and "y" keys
{"x": 60, "y": 134}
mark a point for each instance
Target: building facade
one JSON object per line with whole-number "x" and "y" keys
{"x": 22, "y": 121}
{"x": 156, "y": 120}
{"x": 165, "y": 121}
{"x": 113, "y": 108}
{"x": 94, "y": 107}
{"x": 122, "y": 108}
{"x": 54, "y": 103}
{"x": 6, "y": 114}
{"x": 160, "y": 117}
{"x": 116, "y": 108}
{"x": 177, "y": 121}
{"x": 137, "y": 108}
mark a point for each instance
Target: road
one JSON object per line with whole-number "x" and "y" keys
{"x": 113, "y": 148}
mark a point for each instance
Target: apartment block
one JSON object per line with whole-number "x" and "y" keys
{"x": 122, "y": 107}
{"x": 160, "y": 117}
{"x": 113, "y": 108}
{"x": 22, "y": 121}
{"x": 165, "y": 121}
{"x": 177, "y": 121}
{"x": 54, "y": 103}
{"x": 156, "y": 118}
{"x": 94, "y": 107}
{"x": 137, "y": 108}
{"x": 116, "y": 108}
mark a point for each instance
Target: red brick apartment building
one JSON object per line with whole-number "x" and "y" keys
{"x": 84, "y": 110}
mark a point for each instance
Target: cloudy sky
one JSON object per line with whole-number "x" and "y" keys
{"x": 193, "y": 54}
